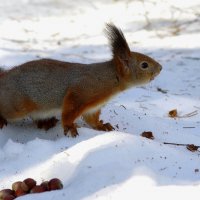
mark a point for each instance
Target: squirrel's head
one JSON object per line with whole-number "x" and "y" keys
{"x": 132, "y": 67}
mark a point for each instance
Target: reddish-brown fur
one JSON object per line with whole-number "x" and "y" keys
{"x": 26, "y": 106}
{"x": 77, "y": 89}
{"x": 74, "y": 105}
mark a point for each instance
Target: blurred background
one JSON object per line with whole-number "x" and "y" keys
{"x": 73, "y": 30}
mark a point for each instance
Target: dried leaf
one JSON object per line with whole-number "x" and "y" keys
{"x": 192, "y": 147}
{"x": 148, "y": 134}
{"x": 173, "y": 113}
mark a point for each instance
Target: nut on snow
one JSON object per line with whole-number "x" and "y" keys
{"x": 37, "y": 189}
{"x": 30, "y": 183}
{"x": 55, "y": 184}
{"x": 45, "y": 185}
{"x": 20, "y": 192}
{"x": 6, "y": 192}
{"x": 8, "y": 197}
{"x": 19, "y": 185}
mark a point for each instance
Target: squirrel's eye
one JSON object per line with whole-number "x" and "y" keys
{"x": 144, "y": 65}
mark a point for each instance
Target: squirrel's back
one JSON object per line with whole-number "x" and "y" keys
{"x": 42, "y": 84}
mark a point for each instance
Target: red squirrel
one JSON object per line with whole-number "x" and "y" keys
{"x": 40, "y": 88}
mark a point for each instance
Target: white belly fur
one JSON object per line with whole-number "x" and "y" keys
{"x": 45, "y": 114}
{"x": 37, "y": 115}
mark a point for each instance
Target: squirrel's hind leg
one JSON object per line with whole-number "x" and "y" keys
{"x": 92, "y": 118}
{"x": 3, "y": 122}
{"x": 46, "y": 124}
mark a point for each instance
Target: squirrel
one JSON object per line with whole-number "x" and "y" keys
{"x": 40, "y": 88}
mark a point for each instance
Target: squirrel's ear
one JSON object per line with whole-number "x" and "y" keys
{"x": 122, "y": 66}
{"x": 118, "y": 42}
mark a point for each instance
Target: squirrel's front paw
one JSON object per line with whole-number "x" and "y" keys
{"x": 105, "y": 127}
{"x": 72, "y": 130}
{"x": 3, "y": 122}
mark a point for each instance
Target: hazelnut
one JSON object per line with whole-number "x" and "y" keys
{"x": 37, "y": 189}
{"x": 45, "y": 185}
{"x": 30, "y": 183}
{"x": 55, "y": 184}
{"x": 6, "y": 192}
{"x": 16, "y": 185}
{"x": 8, "y": 197}
{"x": 19, "y": 185}
{"x": 20, "y": 192}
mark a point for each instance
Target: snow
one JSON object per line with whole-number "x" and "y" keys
{"x": 120, "y": 164}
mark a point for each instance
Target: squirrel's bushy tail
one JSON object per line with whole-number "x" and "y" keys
{"x": 117, "y": 41}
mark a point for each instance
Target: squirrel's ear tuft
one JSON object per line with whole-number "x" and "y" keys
{"x": 117, "y": 41}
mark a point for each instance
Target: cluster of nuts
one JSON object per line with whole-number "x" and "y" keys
{"x": 29, "y": 185}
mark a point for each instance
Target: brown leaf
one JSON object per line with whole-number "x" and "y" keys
{"x": 148, "y": 134}
{"x": 173, "y": 113}
{"x": 192, "y": 147}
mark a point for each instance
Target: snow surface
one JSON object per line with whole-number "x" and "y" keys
{"x": 119, "y": 164}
